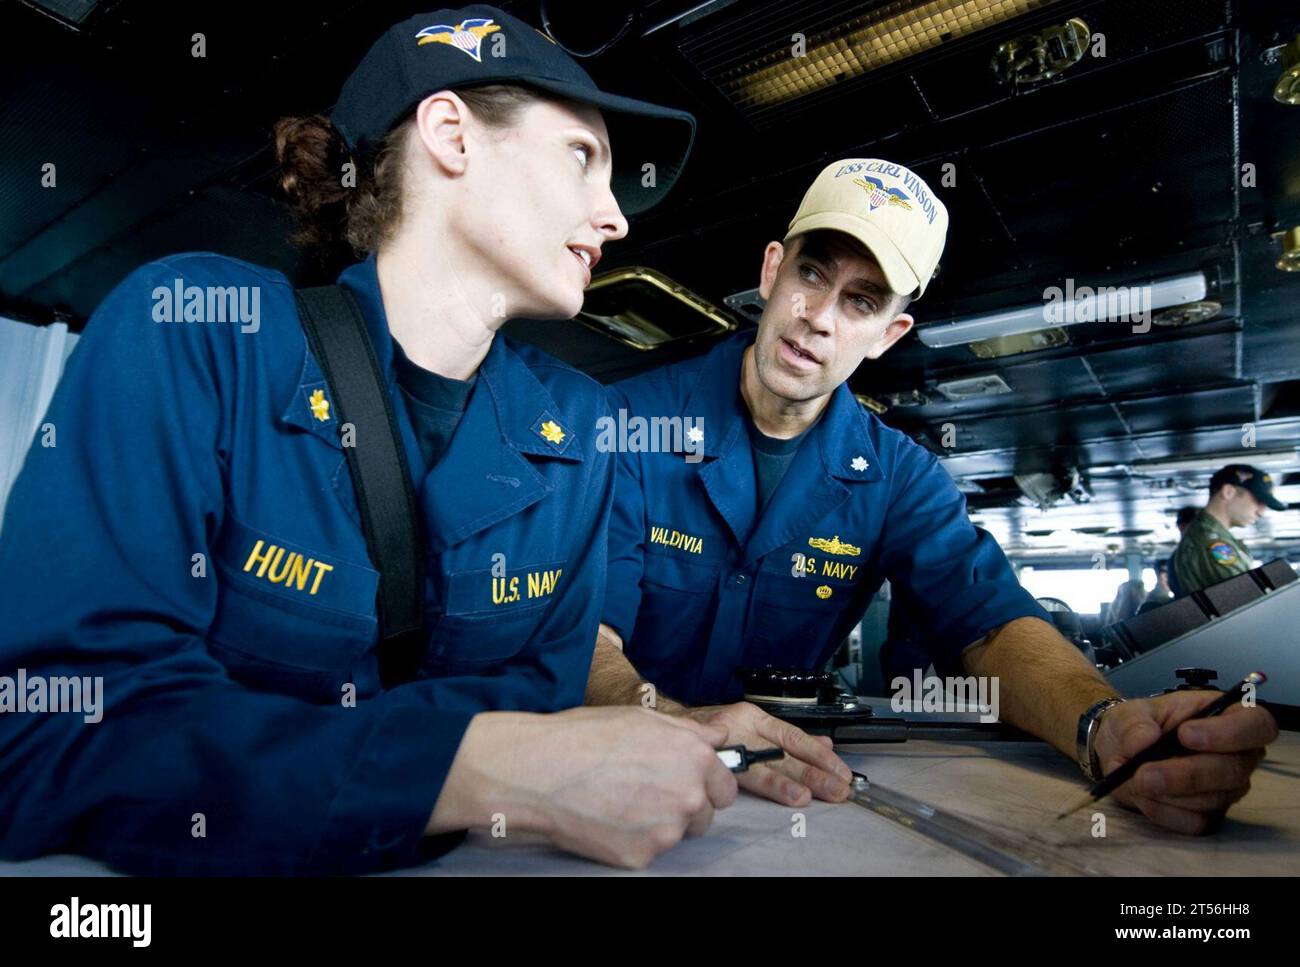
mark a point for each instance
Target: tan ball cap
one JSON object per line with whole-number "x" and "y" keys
{"x": 887, "y": 208}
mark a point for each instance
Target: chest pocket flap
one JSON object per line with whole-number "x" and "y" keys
{"x": 504, "y": 589}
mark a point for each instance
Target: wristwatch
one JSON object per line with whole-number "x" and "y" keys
{"x": 1086, "y": 737}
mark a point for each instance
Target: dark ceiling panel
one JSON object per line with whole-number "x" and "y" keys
{"x": 1063, "y": 428}
{"x": 39, "y": 104}
{"x": 1126, "y": 188}
{"x": 1032, "y": 384}
{"x": 1190, "y": 411}
{"x": 215, "y": 219}
{"x": 964, "y": 82}
{"x": 1272, "y": 334}
{"x": 1174, "y": 363}
{"x": 1101, "y": 360}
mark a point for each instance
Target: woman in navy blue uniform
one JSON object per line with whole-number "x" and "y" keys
{"x": 192, "y": 541}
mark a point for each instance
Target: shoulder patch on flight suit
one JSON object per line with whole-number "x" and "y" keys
{"x": 1222, "y": 552}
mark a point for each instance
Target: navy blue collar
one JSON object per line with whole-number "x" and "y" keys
{"x": 841, "y": 433}
{"x": 527, "y": 416}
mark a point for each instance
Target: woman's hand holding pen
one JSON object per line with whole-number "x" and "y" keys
{"x": 810, "y": 767}
{"x": 618, "y": 785}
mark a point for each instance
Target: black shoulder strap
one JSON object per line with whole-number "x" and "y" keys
{"x": 336, "y": 333}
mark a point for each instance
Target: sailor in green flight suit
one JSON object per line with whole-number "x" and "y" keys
{"x": 1208, "y": 552}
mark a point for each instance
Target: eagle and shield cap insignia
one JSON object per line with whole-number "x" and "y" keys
{"x": 466, "y": 36}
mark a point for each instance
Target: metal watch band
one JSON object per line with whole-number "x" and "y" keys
{"x": 1085, "y": 737}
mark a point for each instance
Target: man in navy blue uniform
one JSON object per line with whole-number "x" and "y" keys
{"x": 186, "y": 532}
{"x": 768, "y": 550}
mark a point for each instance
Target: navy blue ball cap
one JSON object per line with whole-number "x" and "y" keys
{"x": 1249, "y": 478}
{"x": 477, "y": 45}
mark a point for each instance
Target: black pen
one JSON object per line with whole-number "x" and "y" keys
{"x": 737, "y": 758}
{"x": 1167, "y": 746}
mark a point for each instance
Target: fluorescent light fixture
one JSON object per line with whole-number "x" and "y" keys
{"x": 884, "y": 36}
{"x": 1069, "y": 306}
{"x": 1211, "y": 462}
